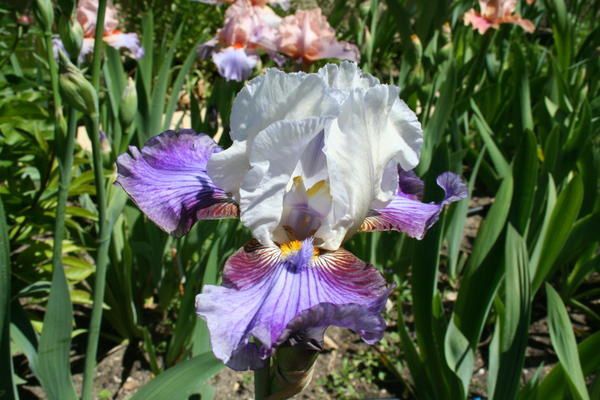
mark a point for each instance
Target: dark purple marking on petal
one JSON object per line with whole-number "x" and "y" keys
{"x": 407, "y": 214}
{"x": 268, "y": 295}
{"x": 410, "y": 184}
{"x": 167, "y": 180}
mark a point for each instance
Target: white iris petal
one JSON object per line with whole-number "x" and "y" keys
{"x": 313, "y": 153}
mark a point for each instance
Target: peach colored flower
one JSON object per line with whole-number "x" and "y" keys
{"x": 87, "y": 12}
{"x": 308, "y": 36}
{"x": 247, "y": 25}
{"x": 234, "y": 49}
{"x": 493, "y": 13}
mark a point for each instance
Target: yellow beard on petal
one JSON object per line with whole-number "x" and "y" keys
{"x": 290, "y": 247}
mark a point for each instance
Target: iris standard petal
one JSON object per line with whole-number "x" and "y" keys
{"x": 269, "y": 294}
{"x": 276, "y": 96}
{"x": 405, "y": 213}
{"x": 167, "y": 180}
{"x": 346, "y": 76}
{"x": 374, "y": 132}
{"x": 273, "y": 158}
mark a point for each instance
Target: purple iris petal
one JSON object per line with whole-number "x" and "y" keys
{"x": 269, "y": 294}
{"x": 234, "y": 64}
{"x": 405, "y": 213}
{"x": 167, "y": 180}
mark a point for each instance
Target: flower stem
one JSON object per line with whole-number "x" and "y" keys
{"x": 262, "y": 382}
{"x": 56, "y": 345}
{"x": 103, "y": 242}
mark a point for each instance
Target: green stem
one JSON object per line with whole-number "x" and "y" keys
{"x": 104, "y": 242}
{"x": 101, "y": 261}
{"x": 56, "y": 345}
{"x": 262, "y": 382}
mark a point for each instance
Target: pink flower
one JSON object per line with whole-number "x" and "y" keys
{"x": 247, "y": 29}
{"x": 308, "y": 36}
{"x": 494, "y": 13}
{"x": 246, "y": 26}
{"x": 87, "y": 12}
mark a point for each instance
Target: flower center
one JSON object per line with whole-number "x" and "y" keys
{"x": 293, "y": 247}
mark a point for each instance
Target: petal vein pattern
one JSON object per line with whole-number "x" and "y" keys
{"x": 406, "y": 213}
{"x": 167, "y": 180}
{"x": 267, "y": 294}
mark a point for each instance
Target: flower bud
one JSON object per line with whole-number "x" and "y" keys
{"x": 416, "y": 76}
{"x": 128, "y": 106}
{"x": 71, "y": 34}
{"x": 77, "y": 91}
{"x": 44, "y": 13}
{"x": 417, "y": 46}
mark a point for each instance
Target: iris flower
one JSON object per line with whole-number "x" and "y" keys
{"x": 237, "y": 43}
{"x": 306, "y": 35}
{"x": 493, "y": 13}
{"x": 315, "y": 159}
{"x": 87, "y": 12}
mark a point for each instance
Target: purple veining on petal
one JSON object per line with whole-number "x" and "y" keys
{"x": 405, "y": 213}
{"x": 167, "y": 179}
{"x": 234, "y": 64}
{"x": 268, "y": 294}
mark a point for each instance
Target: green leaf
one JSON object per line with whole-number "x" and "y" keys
{"x": 564, "y": 343}
{"x": 525, "y": 175}
{"x": 159, "y": 91}
{"x": 181, "y": 380}
{"x": 493, "y": 224}
{"x": 178, "y": 83}
{"x": 554, "y": 385}
{"x": 436, "y": 126}
{"x": 8, "y": 388}
{"x": 500, "y": 163}
{"x": 559, "y": 227}
{"x": 550, "y": 203}
{"x": 484, "y": 269}
{"x": 507, "y": 353}
{"x": 459, "y": 355}
{"x": 455, "y": 232}
{"x": 522, "y": 76}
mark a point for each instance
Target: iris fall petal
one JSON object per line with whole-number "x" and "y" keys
{"x": 167, "y": 180}
{"x": 268, "y": 294}
{"x": 405, "y": 213}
